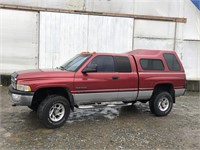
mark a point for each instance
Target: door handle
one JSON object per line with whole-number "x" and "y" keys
{"x": 115, "y": 78}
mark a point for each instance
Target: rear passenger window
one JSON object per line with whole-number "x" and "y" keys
{"x": 123, "y": 64}
{"x": 172, "y": 62}
{"x": 151, "y": 64}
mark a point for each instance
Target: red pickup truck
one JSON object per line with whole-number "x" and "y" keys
{"x": 154, "y": 76}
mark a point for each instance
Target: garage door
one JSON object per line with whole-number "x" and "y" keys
{"x": 64, "y": 35}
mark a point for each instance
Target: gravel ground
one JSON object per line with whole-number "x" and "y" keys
{"x": 116, "y": 127}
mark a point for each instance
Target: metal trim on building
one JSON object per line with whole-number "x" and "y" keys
{"x": 135, "y": 16}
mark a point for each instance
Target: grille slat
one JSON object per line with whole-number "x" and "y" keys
{"x": 14, "y": 80}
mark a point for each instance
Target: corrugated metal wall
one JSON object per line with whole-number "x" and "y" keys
{"x": 154, "y": 35}
{"x": 61, "y": 37}
{"x": 18, "y": 40}
{"x": 158, "y": 35}
{"x": 64, "y": 4}
{"x": 64, "y": 35}
{"x": 95, "y": 33}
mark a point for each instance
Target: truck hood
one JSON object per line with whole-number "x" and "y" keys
{"x": 44, "y": 73}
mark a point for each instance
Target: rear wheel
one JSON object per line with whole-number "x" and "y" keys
{"x": 161, "y": 103}
{"x": 54, "y": 111}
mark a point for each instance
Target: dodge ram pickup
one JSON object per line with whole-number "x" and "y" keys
{"x": 154, "y": 76}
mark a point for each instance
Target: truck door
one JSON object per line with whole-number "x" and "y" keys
{"x": 100, "y": 85}
{"x": 128, "y": 78}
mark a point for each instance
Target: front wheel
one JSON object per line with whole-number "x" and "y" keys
{"x": 34, "y": 107}
{"x": 161, "y": 104}
{"x": 54, "y": 111}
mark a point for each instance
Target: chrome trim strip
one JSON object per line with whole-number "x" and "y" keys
{"x": 144, "y": 95}
{"x": 179, "y": 92}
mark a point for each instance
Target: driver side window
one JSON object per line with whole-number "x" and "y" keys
{"x": 103, "y": 64}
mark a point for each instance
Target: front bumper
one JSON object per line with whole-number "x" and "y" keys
{"x": 20, "y": 98}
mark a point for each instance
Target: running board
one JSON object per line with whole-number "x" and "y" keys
{"x": 113, "y": 104}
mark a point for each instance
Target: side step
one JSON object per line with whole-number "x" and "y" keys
{"x": 104, "y": 104}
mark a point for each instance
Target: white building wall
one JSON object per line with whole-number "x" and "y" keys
{"x": 18, "y": 40}
{"x": 160, "y": 35}
{"x": 64, "y": 35}
{"x": 63, "y": 4}
{"x": 189, "y": 46}
{"x": 189, "y": 52}
{"x": 170, "y": 8}
{"x": 154, "y": 35}
{"x": 110, "y": 34}
{"x": 61, "y": 37}
{"x": 147, "y": 34}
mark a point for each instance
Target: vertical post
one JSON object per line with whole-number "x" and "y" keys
{"x": 175, "y": 36}
{"x": 133, "y": 34}
{"x": 38, "y": 35}
{"x": 88, "y": 27}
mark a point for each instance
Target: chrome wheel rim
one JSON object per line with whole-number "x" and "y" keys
{"x": 57, "y": 112}
{"x": 163, "y": 104}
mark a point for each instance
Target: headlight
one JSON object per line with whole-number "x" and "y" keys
{"x": 23, "y": 88}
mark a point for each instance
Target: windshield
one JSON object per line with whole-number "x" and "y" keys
{"x": 74, "y": 63}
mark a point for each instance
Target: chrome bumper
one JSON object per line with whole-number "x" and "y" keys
{"x": 20, "y": 98}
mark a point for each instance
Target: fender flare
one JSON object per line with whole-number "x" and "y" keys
{"x": 71, "y": 100}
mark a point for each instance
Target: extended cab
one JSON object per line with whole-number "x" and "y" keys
{"x": 154, "y": 76}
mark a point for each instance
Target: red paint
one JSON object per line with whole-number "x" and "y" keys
{"x": 138, "y": 79}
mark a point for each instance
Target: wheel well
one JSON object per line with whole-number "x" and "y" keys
{"x": 41, "y": 94}
{"x": 165, "y": 87}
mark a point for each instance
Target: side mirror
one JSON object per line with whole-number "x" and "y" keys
{"x": 90, "y": 68}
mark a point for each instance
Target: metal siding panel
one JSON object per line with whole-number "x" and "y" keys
{"x": 192, "y": 27}
{"x": 110, "y": 34}
{"x": 64, "y": 4}
{"x": 19, "y": 40}
{"x": 64, "y": 35}
{"x": 142, "y": 7}
{"x": 189, "y": 53}
{"x": 154, "y": 29}
{"x": 147, "y": 43}
{"x": 61, "y": 37}
{"x": 159, "y": 8}
{"x": 114, "y": 6}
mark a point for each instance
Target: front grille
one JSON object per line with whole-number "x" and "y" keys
{"x": 13, "y": 83}
{"x": 14, "y": 80}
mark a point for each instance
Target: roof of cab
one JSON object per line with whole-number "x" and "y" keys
{"x": 137, "y": 52}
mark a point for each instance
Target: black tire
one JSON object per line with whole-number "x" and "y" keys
{"x": 33, "y": 107}
{"x": 161, "y": 104}
{"x": 151, "y": 107}
{"x": 49, "y": 109}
